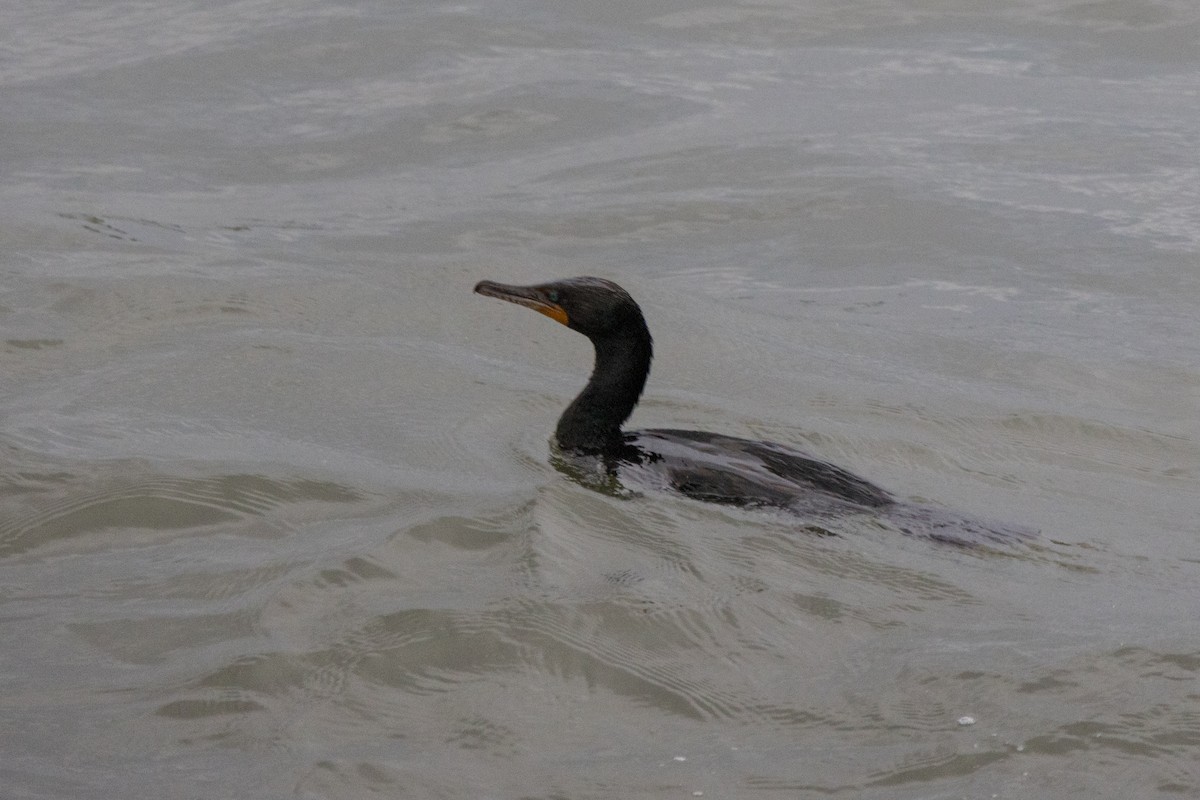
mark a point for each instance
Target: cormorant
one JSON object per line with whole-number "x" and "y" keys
{"x": 706, "y": 466}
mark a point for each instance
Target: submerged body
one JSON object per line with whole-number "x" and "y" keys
{"x": 725, "y": 469}
{"x": 705, "y": 466}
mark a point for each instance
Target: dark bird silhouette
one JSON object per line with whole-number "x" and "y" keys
{"x": 702, "y": 465}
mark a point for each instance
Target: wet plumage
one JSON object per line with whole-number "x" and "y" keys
{"x": 706, "y": 466}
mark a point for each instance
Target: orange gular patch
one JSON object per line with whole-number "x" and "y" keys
{"x": 555, "y": 313}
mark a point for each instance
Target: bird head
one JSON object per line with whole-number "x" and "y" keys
{"x": 595, "y": 307}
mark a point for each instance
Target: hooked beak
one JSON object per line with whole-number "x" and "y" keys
{"x": 528, "y": 296}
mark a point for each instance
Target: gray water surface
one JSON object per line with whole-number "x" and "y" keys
{"x": 277, "y": 514}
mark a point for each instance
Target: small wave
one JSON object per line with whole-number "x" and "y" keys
{"x": 62, "y": 513}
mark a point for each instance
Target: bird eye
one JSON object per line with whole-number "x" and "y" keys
{"x": 552, "y": 295}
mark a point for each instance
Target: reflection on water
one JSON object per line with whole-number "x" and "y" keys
{"x": 277, "y": 512}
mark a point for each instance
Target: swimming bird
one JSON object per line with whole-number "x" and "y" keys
{"x": 706, "y": 466}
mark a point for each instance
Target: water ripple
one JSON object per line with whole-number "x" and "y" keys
{"x": 60, "y": 516}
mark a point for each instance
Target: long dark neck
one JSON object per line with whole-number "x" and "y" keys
{"x": 593, "y": 420}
